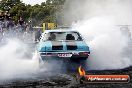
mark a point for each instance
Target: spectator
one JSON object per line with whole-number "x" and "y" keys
{"x": 21, "y": 21}
{"x": 1, "y": 31}
{"x": 37, "y": 35}
{"x": 1, "y": 16}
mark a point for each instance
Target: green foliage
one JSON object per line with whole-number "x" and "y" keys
{"x": 8, "y": 4}
{"x": 46, "y": 12}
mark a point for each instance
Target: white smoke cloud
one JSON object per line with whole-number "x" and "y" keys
{"x": 76, "y": 10}
{"x": 97, "y": 21}
{"x": 19, "y": 61}
{"x": 13, "y": 60}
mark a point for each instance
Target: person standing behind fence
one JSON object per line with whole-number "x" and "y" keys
{"x": 1, "y": 31}
{"x": 21, "y": 23}
{"x": 1, "y": 16}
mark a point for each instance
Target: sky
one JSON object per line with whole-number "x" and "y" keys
{"x": 33, "y": 2}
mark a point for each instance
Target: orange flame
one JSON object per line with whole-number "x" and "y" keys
{"x": 81, "y": 71}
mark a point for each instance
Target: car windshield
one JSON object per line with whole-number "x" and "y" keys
{"x": 63, "y": 36}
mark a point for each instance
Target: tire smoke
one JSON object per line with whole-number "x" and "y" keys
{"x": 97, "y": 21}
{"x": 107, "y": 44}
{"x": 14, "y": 62}
{"x": 18, "y": 60}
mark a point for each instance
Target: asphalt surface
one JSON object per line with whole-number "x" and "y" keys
{"x": 66, "y": 80}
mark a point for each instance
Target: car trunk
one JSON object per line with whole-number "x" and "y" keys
{"x": 62, "y": 46}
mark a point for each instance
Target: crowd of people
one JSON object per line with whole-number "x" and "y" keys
{"x": 10, "y": 28}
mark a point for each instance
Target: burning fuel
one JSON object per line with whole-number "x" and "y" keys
{"x": 81, "y": 71}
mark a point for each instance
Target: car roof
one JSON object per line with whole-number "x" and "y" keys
{"x": 59, "y": 30}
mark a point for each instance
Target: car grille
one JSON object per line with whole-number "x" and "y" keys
{"x": 57, "y": 47}
{"x": 70, "y": 47}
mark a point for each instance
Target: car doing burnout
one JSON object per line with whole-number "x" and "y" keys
{"x": 62, "y": 44}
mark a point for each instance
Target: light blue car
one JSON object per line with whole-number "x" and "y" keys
{"x": 62, "y": 44}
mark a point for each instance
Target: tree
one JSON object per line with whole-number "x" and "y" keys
{"x": 6, "y": 5}
{"x": 46, "y": 12}
{"x": 20, "y": 10}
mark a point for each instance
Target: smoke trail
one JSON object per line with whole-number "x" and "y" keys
{"x": 19, "y": 61}
{"x": 13, "y": 60}
{"x": 96, "y": 20}
{"x": 107, "y": 44}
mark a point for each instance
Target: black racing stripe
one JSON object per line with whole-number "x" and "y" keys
{"x": 71, "y": 45}
{"x": 57, "y": 45}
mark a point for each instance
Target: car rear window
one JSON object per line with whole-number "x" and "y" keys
{"x": 63, "y": 36}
